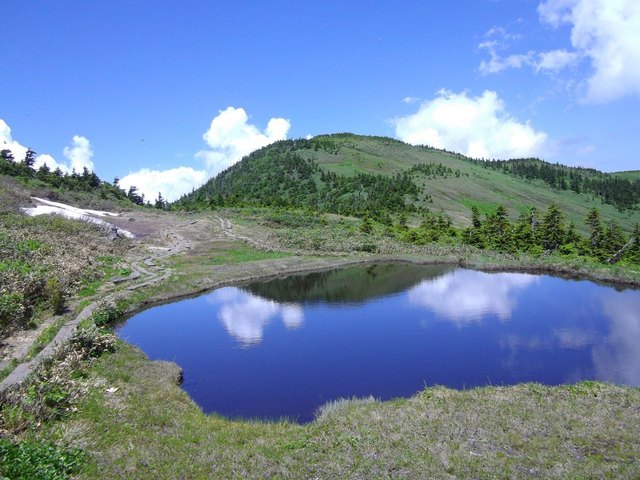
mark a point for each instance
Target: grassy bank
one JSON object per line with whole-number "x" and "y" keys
{"x": 136, "y": 422}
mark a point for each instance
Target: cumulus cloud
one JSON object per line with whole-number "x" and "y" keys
{"x": 608, "y": 33}
{"x": 604, "y": 33}
{"x": 172, "y": 183}
{"x": 8, "y": 143}
{"x": 617, "y": 359}
{"x": 498, "y": 39}
{"x": 79, "y": 154}
{"x": 479, "y": 127}
{"x": 230, "y": 137}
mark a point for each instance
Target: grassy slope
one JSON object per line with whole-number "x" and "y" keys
{"x": 138, "y": 423}
{"x": 476, "y": 186}
{"x": 629, "y": 175}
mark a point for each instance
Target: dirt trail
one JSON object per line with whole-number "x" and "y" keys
{"x": 159, "y": 236}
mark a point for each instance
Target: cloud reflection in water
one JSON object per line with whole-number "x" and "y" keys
{"x": 245, "y": 316}
{"x": 617, "y": 358}
{"x": 464, "y": 296}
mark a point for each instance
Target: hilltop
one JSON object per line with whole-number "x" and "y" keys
{"x": 362, "y": 175}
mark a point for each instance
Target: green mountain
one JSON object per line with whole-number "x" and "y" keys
{"x": 376, "y": 176}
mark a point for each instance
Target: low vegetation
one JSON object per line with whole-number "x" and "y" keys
{"x": 43, "y": 260}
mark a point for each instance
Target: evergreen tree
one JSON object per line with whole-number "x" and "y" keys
{"x": 498, "y": 231}
{"x": 572, "y": 235}
{"x": 614, "y": 238}
{"x": 475, "y": 217}
{"x": 553, "y": 233}
{"x": 134, "y": 196}
{"x": 29, "y": 159}
{"x": 633, "y": 253}
{"x": 7, "y": 155}
{"x": 43, "y": 172}
{"x": 160, "y": 202}
{"x": 526, "y": 230}
{"x": 596, "y": 239}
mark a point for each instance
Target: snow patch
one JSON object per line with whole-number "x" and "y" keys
{"x": 48, "y": 207}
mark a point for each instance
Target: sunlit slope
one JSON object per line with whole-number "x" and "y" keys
{"x": 455, "y": 193}
{"x": 630, "y": 174}
{"x": 447, "y": 182}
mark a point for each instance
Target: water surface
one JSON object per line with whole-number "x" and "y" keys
{"x": 283, "y": 347}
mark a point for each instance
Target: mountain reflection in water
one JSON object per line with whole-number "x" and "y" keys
{"x": 285, "y": 346}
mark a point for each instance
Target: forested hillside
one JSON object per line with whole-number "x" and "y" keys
{"x": 382, "y": 177}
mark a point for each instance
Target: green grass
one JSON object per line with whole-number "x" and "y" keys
{"x": 108, "y": 267}
{"x": 28, "y": 460}
{"x": 485, "y": 208}
{"x": 241, "y": 254}
{"x": 145, "y": 426}
{"x": 46, "y": 336}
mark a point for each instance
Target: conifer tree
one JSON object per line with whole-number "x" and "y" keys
{"x": 553, "y": 233}
{"x": 596, "y": 239}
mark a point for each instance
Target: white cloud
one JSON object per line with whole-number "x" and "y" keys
{"x": 230, "y": 137}
{"x": 292, "y": 316}
{"x": 7, "y": 143}
{"x": 476, "y": 126}
{"x": 555, "y": 60}
{"x": 245, "y": 316}
{"x": 497, "y": 63}
{"x": 608, "y": 33}
{"x": 617, "y": 359}
{"x": 410, "y": 100}
{"x": 79, "y": 153}
{"x": 172, "y": 183}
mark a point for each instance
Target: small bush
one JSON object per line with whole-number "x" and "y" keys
{"x": 11, "y": 309}
{"x": 30, "y": 460}
{"x": 55, "y": 295}
{"x": 367, "y": 247}
{"x": 106, "y": 314}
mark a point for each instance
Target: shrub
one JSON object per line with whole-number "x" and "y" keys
{"x": 29, "y": 460}
{"x": 55, "y": 295}
{"x": 11, "y": 309}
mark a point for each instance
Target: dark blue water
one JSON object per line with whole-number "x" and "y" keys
{"x": 283, "y": 348}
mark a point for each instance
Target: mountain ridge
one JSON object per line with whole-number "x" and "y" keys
{"x": 347, "y": 174}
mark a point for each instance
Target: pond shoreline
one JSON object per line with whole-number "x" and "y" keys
{"x": 275, "y": 268}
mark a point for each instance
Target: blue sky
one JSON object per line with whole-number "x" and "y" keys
{"x": 166, "y": 94}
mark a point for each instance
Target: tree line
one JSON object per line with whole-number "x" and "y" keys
{"x": 537, "y": 233}
{"x": 85, "y": 181}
